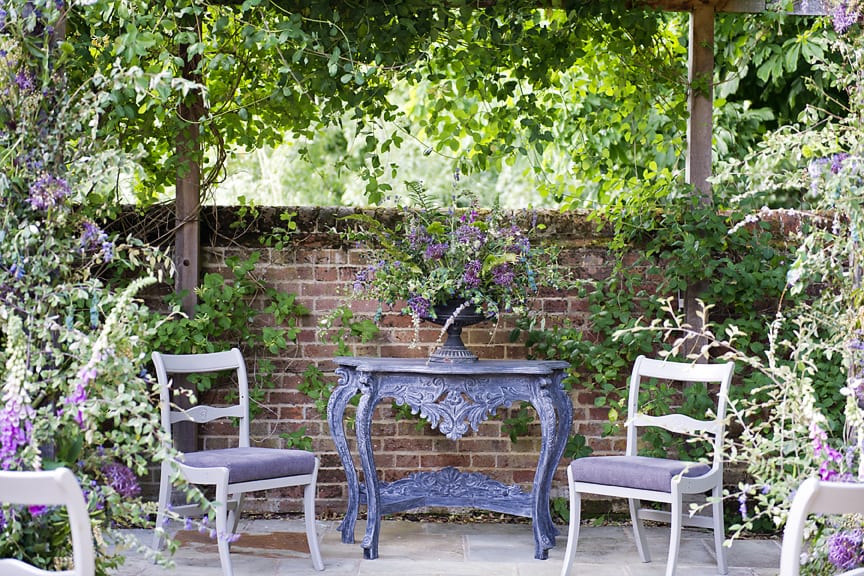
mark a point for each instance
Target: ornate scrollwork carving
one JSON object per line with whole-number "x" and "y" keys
{"x": 453, "y": 407}
{"x": 449, "y": 482}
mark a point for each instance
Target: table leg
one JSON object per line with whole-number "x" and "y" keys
{"x": 341, "y": 395}
{"x": 556, "y": 418}
{"x": 363, "y": 426}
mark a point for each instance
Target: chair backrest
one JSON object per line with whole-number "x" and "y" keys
{"x": 169, "y": 364}
{"x": 816, "y": 496}
{"x": 668, "y": 370}
{"x": 57, "y": 487}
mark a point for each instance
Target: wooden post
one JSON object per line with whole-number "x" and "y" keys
{"x": 187, "y": 210}
{"x": 700, "y": 100}
{"x": 699, "y": 139}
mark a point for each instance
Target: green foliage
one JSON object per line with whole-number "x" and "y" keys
{"x": 576, "y": 447}
{"x": 73, "y": 346}
{"x": 811, "y": 370}
{"x": 226, "y": 316}
{"x": 342, "y": 329}
{"x": 297, "y": 439}
{"x": 519, "y": 421}
{"x": 664, "y": 248}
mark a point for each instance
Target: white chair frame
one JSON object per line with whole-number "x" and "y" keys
{"x": 57, "y": 487}
{"x": 229, "y": 496}
{"x": 816, "y": 496}
{"x": 712, "y": 481}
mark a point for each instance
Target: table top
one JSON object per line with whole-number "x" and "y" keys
{"x": 424, "y": 366}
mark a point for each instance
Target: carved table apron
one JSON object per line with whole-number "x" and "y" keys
{"x": 452, "y": 397}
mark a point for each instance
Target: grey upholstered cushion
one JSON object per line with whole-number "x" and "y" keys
{"x": 634, "y": 471}
{"x": 247, "y": 464}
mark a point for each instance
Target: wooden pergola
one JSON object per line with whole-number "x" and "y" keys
{"x": 699, "y": 127}
{"x": 701, "y": 73}
{"x": 698, "y": 160}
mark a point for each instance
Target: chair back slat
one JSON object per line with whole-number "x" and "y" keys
{"x": 204, "y": 414}
{"x": 678, "y": 423}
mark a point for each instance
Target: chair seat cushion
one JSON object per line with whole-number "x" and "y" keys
{"x": 249, "y": 464}
{"x": 640, "y": 472}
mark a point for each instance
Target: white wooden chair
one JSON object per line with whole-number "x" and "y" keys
{"x": 815, "y": 496}
{"x": 638, "y": 478}
{"x": 232, "y": 471}
{"x": 57, "y": 487}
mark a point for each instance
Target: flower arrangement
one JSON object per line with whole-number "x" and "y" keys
{"x": 479, "y": 260}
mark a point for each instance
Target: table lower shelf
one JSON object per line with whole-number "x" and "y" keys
{"x": 450, "y": 488}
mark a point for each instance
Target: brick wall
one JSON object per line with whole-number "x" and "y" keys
{"x": 317, "y": 267}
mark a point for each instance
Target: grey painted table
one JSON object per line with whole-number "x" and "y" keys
{"x": 453, "y": 397}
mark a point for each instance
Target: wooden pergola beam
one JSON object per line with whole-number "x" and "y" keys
{"x": 800, "y": 7}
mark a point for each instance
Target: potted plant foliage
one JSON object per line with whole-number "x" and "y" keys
{"x": 454, "y": 266}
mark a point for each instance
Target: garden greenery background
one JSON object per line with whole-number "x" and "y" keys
{"x": 545, "y": 107}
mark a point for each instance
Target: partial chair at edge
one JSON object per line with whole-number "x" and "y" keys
{"x": 57, "y": 487}
{"x": 232, "y": 471}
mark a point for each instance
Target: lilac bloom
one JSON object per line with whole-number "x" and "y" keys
{"x": 121, "y": 479}
{"x": 844, "y": 549}
{"x": 419, "y": 305}
{"x": 435, "y": 251}
{"x": 47, "y": 192}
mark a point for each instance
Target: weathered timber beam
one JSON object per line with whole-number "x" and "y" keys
{"x": 800, "y": 7}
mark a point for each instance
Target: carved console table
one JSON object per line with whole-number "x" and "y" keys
{"x": 453, "y": 397}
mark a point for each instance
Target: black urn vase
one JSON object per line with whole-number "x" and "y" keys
{"x": 453, "y": 350}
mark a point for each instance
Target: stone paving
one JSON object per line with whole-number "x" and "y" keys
{"x": 277, "y": 548}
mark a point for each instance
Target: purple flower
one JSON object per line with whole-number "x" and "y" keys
{"x": 417, "y": 237}
{"x": 94, "y": 238}
{"x": 86, "y": 375}
{"x": 831, "y": 457}
{"x": 121, "y": 479}
{"x": 37, "y": 510}
{"x": 25, "y": 81}
{"x": 47, "y": 192}
{"x": 361, "y": 278}
{"x": 470, "y": 236}
{"x": 837, "y": 161}
{"x": 435, "y": 251}
{"x": 844, "y": 16}
{"x": 471, "y": 276}
{"x": 419, "y": 306}
{"x": 742, "y": 505}
{"x": 503, "y": 274}
{"x": 15, "y": 430}
{"x": 844, "y": 549}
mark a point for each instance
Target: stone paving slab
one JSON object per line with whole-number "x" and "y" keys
{"x": 448, "y": 549}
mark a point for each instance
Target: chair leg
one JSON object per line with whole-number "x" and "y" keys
{"x": 234, "y": 513}
{"x": 674, "y": 536}
{"x": 573, "y": 531}
{"x": 639, "y": 530}
{"x": 719, "y": 532}
{"x": 309, "y": 494}
{"x": 161, "y": 510}
{"x": 220, "y": 509}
